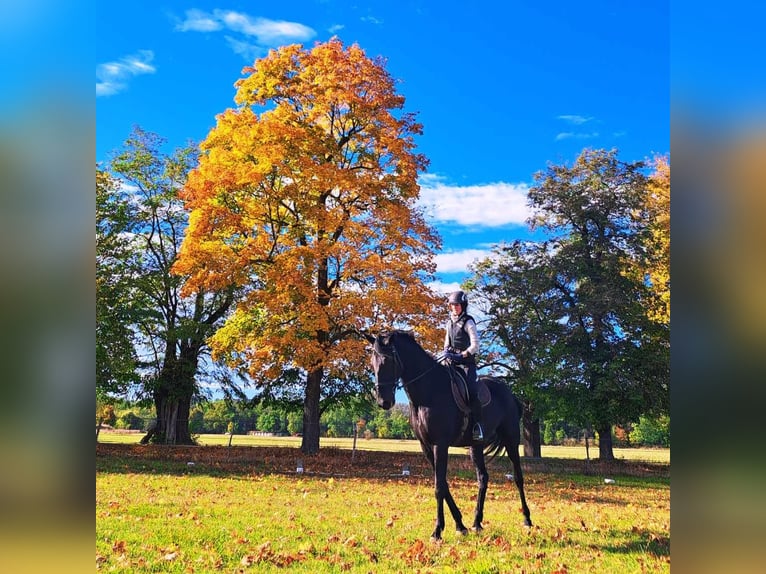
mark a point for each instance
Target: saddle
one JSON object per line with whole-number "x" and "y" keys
{"x": 460, "y": 390}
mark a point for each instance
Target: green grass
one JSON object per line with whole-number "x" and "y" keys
{"x": 655, "y": 455}
{"x": 168, "y": 516}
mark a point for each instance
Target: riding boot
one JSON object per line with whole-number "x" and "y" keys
{"x": 473, "y": 395}
{"x": 478, "y": 431}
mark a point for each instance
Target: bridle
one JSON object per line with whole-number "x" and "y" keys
{"x": 398, "y": 366}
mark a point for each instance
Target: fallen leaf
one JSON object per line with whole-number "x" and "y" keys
{"x": 351, "y": 542}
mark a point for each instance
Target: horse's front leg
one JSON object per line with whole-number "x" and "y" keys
{"x": 482, "y": 478}
{"x": 441, "y": 454}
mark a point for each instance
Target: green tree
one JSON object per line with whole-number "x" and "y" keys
{"x": 380, "y": 423}
{"x": 116, "y": 297}
{"x": 218, "y": 415}
{"x": 196, "y": 420}
{"x": 399, "y": 422}
{"x": 130, "y": 420}
{"x": 613, "y": 361}
{"x": 515, "y": 289}
{"x": 171, "y": 330}
{"x": 104, "y": 414}
{"x": 294, "y": 422}
{"x": 269, "y": 420}
{"x": 651, "y": 431}
{"x": 339, "y": 420}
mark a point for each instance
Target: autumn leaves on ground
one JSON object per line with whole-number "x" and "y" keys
{"x": 209, "y": 509}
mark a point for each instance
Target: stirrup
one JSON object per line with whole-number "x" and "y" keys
{"x": 478, "y": 433}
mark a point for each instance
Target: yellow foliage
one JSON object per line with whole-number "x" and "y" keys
{"x": 308, "y": 207}
{"x": 659, "y": 204}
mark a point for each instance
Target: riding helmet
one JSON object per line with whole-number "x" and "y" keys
{"x": 460, "y": 298}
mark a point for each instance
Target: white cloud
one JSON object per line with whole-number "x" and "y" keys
{"x": 575, "y": 119}
{"x": 458, "y": 261}
{"x": 444, "y": 288}
{"x": 245, "y": 49}
{"x": 266, "y": 33}
{"x": 487, "y": 205}
{"x": 335, "y": 28}
{"x": 199, "y": 21}
{"x": 575, "y": 135}
{"x": 112, "y": 77}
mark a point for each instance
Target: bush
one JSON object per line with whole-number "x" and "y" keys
{"x": 621, "y": 435}
{"x": 652, "y": 432}
{"x": 107, "y": 416}
{"x": 295, "y": 423}
{"x": 197, "y": 421}
{"x": 129, "y": 420}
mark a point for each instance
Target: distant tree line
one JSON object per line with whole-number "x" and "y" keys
{"x": 221, "y": 416}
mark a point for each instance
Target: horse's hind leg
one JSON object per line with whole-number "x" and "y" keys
{"x": 518, "y": 477}
{"x": 482, "y": 478}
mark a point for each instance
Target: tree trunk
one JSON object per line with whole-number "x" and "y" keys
{"x": 605, "y": 451}
{"x": 310, "y": 440}
{"x": 172, "y": 399}
{"x": 531, "y": 437}
{"x": 172, "y": 425}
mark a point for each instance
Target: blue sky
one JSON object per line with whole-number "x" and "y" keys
{"x": 502, "y": 88}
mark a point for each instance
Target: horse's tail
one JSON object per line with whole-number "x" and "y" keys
{"x": 493, "y": 449}
{"x": 497, "y": 447}
{"x": 519, "y": 406}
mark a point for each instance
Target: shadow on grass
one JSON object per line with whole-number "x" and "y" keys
{"x": 647, "y": 544}
{"x": 331, "y": 461}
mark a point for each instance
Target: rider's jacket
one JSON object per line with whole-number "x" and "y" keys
{"x": 458, "y": 336}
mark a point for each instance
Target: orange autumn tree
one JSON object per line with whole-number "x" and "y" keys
{"x": 305, "y": 197}
{"x": 658, "y": 199}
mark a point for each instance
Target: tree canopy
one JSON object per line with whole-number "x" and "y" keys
{"x": 116, "y": 300}
{"x": 142, "y": 224}
{"x": 658, "y": 201}
{"x": 574, "y": 314}
{"x": 304, "y": 197}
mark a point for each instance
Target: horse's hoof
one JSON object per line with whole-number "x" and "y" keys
{"x": 436, "y": 539}
{"x": 477, "y": 528}
{"x": 462, "y": 531}
{"x": 528, "y": 523}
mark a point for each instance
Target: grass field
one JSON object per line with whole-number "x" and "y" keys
{"x": 657, "y": 455}
{"x": 244, "y": 509}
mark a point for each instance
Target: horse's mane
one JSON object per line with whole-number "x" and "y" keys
{"x": 409, "y": 336}
{"x": 402, "y": 332}
{"x": 387, "y": 336}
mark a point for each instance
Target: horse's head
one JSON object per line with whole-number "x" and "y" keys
{"x": 387, "y": 368}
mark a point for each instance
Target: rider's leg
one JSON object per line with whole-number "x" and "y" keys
{"x": 473, "y": 395}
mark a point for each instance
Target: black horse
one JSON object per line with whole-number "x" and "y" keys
{"x": 438, "y": 423}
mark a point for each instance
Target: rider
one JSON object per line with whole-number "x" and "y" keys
{"x": 461, "y": 337}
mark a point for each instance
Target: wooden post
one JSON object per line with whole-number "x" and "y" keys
{"x": 353, "y": 448}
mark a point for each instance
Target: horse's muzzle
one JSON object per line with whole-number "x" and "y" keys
{"x": 385, "y": 404}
